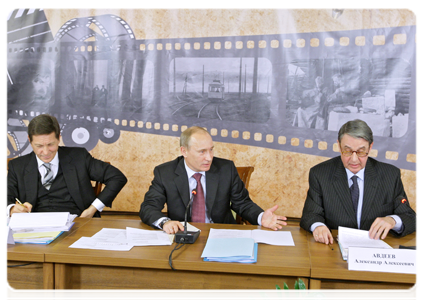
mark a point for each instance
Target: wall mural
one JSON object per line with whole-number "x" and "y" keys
{"x": 289, "y": 92}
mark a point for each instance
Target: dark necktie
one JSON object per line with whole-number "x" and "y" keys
{"x": 48, "y": 177}
{"x": 198, "y": 205}
{"x": 354, "y": 193}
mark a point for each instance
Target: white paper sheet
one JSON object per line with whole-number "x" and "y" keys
{"x": 276, "y": 238}
{"x": 350, "y": 237}
{"x": 142, "y": 237}
{"x": 41, "y": 222}
{"x": 228, "y": 247}
{"x": 100, "y": 244}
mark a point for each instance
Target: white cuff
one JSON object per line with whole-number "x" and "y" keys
{"x": 259, "y": 218}
{"x": 9, "y": 208}
{"x": 98, "y": 204}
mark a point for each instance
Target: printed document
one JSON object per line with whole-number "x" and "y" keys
{"x": 277, "y": 238}
{"x": 350, "y": 237}
{"x": 41, "y": 222}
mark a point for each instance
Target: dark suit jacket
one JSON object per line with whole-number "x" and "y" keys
{"x": 78, "y": 167}
{"x": 224, "y": 190}
{"x": 329, "y": 199}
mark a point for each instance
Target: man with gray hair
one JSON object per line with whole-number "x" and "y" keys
{"x": 356, "y": 191}
{"x": 216, "y": 182}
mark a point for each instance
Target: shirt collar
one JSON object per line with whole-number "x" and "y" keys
{"x": 360, "y": 174}
{"x": 54, "y": 161}
{"x": 191, "y": 172}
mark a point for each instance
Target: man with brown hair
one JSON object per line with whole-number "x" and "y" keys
{"x": 218, "y": 185}
{"x": 58, "y": 179}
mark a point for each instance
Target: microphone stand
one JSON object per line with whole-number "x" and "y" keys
{"x": 187, "y": 237}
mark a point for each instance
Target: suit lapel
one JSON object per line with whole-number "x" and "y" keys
{"x": 71, "y": 177}
{"x": 340, "y": 185}
{"x": 212, "y": 183}
{"x": 181, "y": 182}
{"x": 31, "y": 180}
{"x": 370, "y": 188}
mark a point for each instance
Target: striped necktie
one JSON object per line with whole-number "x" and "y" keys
{"x": 354, "y": 193}
{"x": 198, "y": 205}
{"x": 48, "y": 177}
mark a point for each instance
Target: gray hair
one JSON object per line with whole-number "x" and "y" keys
{"x": 185, "y": 138}
{"x": 357, "y": 129}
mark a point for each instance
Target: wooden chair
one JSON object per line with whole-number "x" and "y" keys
{"x": 97, "y": 185}
{"x": 6, "y": 163}
{"x": 245, "y": 175}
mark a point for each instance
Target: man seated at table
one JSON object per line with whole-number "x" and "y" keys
{"x": 219, "y": 191}
{"x": 353, "y": 190}
{"x": 58, "y": 179}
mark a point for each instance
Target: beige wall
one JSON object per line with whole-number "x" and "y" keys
{"x": 280, "y": 177}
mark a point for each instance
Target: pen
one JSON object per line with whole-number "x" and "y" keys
{"x": 21, "y": 203}
{"x": 330, "y": 246}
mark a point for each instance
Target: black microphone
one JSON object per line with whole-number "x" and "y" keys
{"x": 187, "y": 237}
{"x": 404, "y": 200}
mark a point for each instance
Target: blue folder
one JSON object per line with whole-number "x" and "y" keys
{"x": 238, "y": 259}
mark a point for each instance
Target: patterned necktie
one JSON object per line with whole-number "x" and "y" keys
{"x": 354, "y": 193}
{"x": 198, "y": 205}
{"x": 48, "y": 177}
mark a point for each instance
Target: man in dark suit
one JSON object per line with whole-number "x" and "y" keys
{"x": 353, "y": 190}
{"x": 219, "y": 183}
{"x": 55, "y": 179}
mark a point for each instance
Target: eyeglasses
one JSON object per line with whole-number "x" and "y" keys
{"x": 360, "y": 153}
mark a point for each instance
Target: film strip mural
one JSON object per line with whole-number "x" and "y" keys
{"x": 290, "y": 92}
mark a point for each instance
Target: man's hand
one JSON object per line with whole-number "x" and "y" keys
{"x": 272, "y": 221}
{"x": 21, "y": 208}
{"x": 172, "y": 227}
{"x": 323, "y": 235}
{"x": 380, "y": 227}
{"x": 89, "y": 212}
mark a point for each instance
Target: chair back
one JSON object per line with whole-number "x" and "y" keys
{"x": 6, "y": 163}
{"x": 245, "y": 175}
{"x": 98, "y": 185}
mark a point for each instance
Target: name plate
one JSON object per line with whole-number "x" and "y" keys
{"x": 382, "y": 260}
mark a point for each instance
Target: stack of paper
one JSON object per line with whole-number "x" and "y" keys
{"x": 242, "y": 250}
{"x": 40, "y": 228}
{"x": 233, "y": 245}
{"x": 350, "y": 237}
{"x": 41, "y": 222}
{"x": 36, "y": 237}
